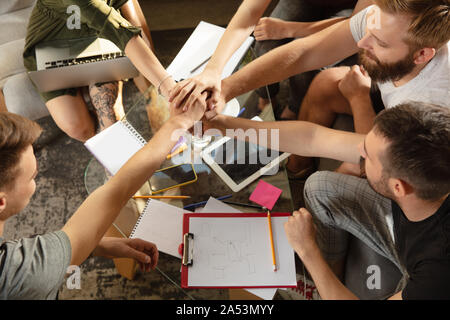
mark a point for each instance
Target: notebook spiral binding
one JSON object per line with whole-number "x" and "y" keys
{"x": 134, "y": 132}
{"x": 140, "y": 217}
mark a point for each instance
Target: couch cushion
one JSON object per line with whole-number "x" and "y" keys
{"x": 13, "y": 5}
{"x": 22, "y": 98}
{"x": 14, "y": 25}
{"x": 11, "y": 61}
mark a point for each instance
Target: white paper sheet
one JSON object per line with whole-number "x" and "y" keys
{"x": 236, "y": 251}
{"x": 216, "y": 206}
{"x": 199, "y": 47}
{"x": 161, "y": 224}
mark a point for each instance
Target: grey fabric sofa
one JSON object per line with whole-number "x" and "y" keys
{"x": 19, "y": 93}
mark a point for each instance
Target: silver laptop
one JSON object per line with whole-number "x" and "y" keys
{"x": 76, "y": 63}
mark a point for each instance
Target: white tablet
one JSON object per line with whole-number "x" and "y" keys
{"x": 238, "y": 163}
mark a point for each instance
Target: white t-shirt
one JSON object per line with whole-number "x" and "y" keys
{"x": 431, "y": 85}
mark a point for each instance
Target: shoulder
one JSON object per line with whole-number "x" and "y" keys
{"x": 33, "y": 268}
{"x": 358, "y": 23}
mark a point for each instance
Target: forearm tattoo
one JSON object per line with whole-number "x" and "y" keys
{"x": 103, "y": 98}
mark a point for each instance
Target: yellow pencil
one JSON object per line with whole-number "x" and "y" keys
{"x": 161, "y": 197}
{"x": 271, "y": 241}
{"x": 179, "y": 150}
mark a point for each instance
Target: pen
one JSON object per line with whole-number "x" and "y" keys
{"x": 269, "y": 220}
{"x": 161, "y": 197}
{"x": 243, "y": 204}
{"x": 199, "y": 204}
{"x": 205, "y": 61}
{"x": 241, "y": 112}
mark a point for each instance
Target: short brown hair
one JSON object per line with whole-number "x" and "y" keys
{"x": 16, "y": 134}
{"x": 419, "y": 147}
{"x": 430, "y": 26}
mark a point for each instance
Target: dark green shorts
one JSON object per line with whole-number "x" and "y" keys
{"x": 100, "y": 18}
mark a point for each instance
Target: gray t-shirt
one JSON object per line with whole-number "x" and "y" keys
{"x": 431, "y": 85}
{"x": 34, "y": 268}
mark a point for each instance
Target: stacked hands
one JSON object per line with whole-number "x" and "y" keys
{"x": 203, "y": 92}
{"x": 201, "y": 98}
{"x": 197, "y": 98}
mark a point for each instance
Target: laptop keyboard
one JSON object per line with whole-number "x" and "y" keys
{"x": 76, "y": 61}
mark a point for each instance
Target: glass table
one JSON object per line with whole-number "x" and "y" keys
{"x": 208, "y": 184}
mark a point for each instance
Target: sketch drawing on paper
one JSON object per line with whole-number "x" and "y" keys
{"x": 230, "y": 249}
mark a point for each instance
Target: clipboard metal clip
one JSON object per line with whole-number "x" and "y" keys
{"x": 188, "y": 249}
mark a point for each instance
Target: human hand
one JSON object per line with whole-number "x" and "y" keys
{"x": 213, "y": 121}
{"x": 195, "y": 113}
{"x": 301, "y": 232}
{"x": 187, "y": 92}
{"x": 144, "y": 252}
{"x": 271, "y": 29}
{"x": 355, "y": 84}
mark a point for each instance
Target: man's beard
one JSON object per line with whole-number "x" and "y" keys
{"x": 383, "y": 72}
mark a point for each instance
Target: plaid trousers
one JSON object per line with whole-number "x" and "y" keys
{"x": 342, "y": 205}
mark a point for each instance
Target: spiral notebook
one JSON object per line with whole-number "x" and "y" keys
{"x": 162, "y": 224}
{"x": 114, "y": 146}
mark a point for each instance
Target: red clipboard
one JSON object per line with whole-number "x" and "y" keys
{"x": 185, "y": 249}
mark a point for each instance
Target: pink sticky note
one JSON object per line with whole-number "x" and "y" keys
{"x": 265, "y": 194}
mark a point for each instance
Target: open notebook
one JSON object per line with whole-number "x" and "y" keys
{"x": 114, "y": 146}
{"x": 162, "y": 224}
{"x": 199, "y": 48}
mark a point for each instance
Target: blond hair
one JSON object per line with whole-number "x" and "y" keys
{"x": 430, "y": 25}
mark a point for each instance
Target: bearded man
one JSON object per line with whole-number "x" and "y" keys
{"x": 410, "y": 62}
{"x": 403, "y": 46}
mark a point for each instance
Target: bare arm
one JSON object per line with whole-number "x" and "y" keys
{"x": 269, "y": 28}
{"x": 298, "y": 137}
{"x": 146, "y": 62}
{"x": 99, "y": 16}
{"x": 301, "y": 234}
{"x": 240, "y": 27}
{"x": 90, "y": 222}
{"x": 318, "y": 50}
{"x": 133, "y": 13}
{"x": 355, "y": 87}
{"x": 327, "y": 283}
{"x": 304, "y": 29}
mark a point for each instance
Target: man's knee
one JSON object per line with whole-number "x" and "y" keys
{"x": 326, "y": 84}
{"x": 324, "y": 101}
{"x": 320, "y": 193}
